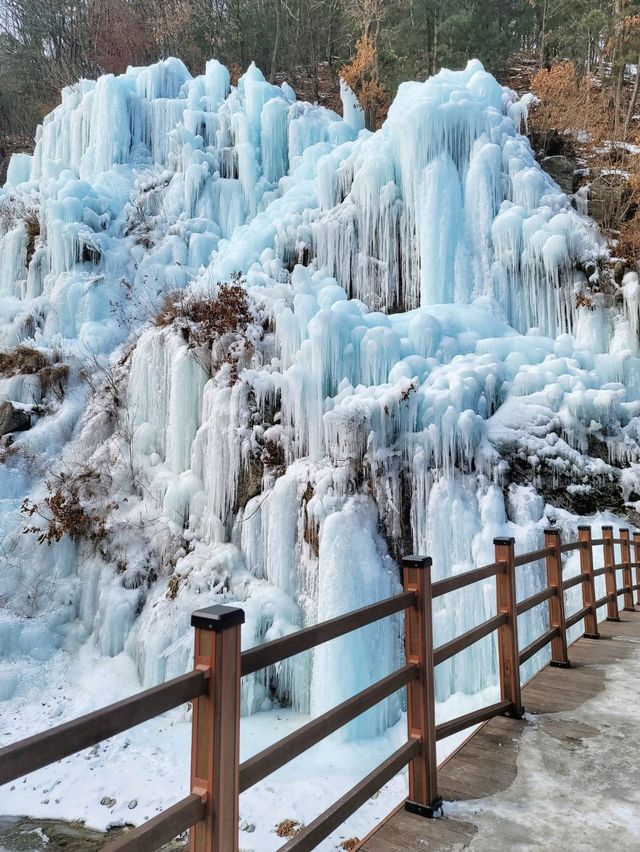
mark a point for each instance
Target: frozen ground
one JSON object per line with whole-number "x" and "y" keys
{"x": 574, "y": 793}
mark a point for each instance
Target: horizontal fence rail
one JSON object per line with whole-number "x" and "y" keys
{"x": 459, "y": 581}
{"x": 210, "y": 811}
{"x": 33, "y": 753}
{"x": 309, "y": 637}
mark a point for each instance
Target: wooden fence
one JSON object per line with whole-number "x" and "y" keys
{"x": 210, "y": 811}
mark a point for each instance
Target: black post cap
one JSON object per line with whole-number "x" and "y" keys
{"x": 552, "y": 531}
{"x": 608, "y": 527}
{"x": 416, "y": 561}
{"x": 584, "y": 527}
{"x": 217, "y": 617}
{"x": 504, "y": 541}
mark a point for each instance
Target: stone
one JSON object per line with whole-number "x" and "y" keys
{"x": 619, "y": 269}
{"x": 611, "y": 198}
{"x": 13, "y": 419}
{"x": 563, "y": 170}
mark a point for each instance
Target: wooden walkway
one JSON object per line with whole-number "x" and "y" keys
{"x": 486, "y": 763}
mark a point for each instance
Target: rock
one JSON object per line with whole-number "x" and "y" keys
{"x": 549, "y": 143}
{"x": 610, "y": 198}
{"x": 13, "y": 419}
{"x": 563, "y": 170}
{"x": 132, "y": 804}
{"x": 107, "y": 802}
{"x": 249, "y": 827}
{"x": 619, "y": 270}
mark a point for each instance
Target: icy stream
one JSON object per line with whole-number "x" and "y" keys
{"x": 416, "y": 373}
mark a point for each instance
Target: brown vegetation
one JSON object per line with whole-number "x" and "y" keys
{"x": 288, "y": 828}
{"x": 25, "y": 360}
{"x": 575, "y": 113}
{"x": 13, "y": 211}
{"x": 363, "y": 76}
{"x": 65, "y": 510}
{"x": 205, "y": 317}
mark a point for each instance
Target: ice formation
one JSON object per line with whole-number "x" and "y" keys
{"x": 418, "y": 372}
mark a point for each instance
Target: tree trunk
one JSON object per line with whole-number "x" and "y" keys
{"x": 618, "y": 58}
{"x": 632, "y": 103}
{"x": 276, "y": 43}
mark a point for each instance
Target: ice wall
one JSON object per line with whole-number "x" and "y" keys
{"x": 416, "y": 366}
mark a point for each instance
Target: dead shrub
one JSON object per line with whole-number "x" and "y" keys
{"x": 569, "y": 103}
{"x": 15, "y": 210}
{"x": 584, "y": 300}
{"x": 350, "y": 844}
{"x": 629, "y": 240}
{"x": 288, "y": 828}
{"x": 203, "y": 318}
{"x": 66, "y": 510}
{"x": 207, "y": 315}
{"x": 54, "y": 379}
{"x": 173, "y": 586}
{"x": 576, "y": 108}
{"x": 23, "y": 360}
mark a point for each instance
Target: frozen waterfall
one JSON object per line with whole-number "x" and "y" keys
{"x": 415, "y": 369}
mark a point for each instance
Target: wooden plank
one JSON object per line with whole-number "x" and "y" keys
{"x": 534, "y": 600}
{"x": 488, "y": 759}
{"x": 449, "y": 649}
{"x": 215, "y": 737}
{"x": 454, "y": 726}
{"x": 303, "y": 640}
{"x": 40, "y": 750}
{"x": 571, "y": 545}
{"x": 421, "y": 692}
{"x": 459, "y": 581}
{"x": 490, "y": 776}
{"x": 588, "y": 587}
{"x": 312, "y": 834}
{"x": 508, "y": 658}
{"x": 577, "y": 616}
{"x": 537, "y": 645}
{"x": 409, "y": 833}
{"x": 610, "y": 574}
{"x": 573, "y": 581}
{"x": 160, "y": 829}
{"x": 533, "y": 556}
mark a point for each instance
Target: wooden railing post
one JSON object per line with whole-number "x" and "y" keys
{"x": 508, "y": 652}
{"x": 608, "y": 550}
{"x": 421, "y": 705}
{"x": 625, "y": 558}
{"x": 559, "y": 656}
{"x": 636, "y": 559}
{"x": 215, "y": 753}
{"x": 588, "y": 586}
